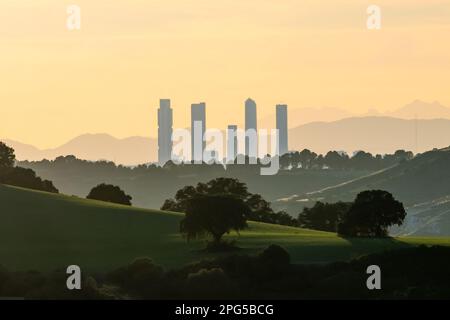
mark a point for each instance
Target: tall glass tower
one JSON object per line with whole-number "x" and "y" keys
{"x": 251, "y": 133}
{"x": 198, "y": 128}
{"x": 165, "y": 120}
{"x": 282, "y": 126}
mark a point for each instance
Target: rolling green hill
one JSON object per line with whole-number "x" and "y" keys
{"x": 45, "y": 231}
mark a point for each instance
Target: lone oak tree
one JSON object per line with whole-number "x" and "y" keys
{"x": 372, "y": 213}
{"x": 214, "y": 215}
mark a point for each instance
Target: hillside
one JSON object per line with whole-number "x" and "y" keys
{"x": 44, "y": 231}
{"x": 422, "y": 184}
{"x": 150, "y": 187}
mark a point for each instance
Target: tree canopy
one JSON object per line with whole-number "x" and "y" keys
{"x": 324, "y": 216}
{"x": 371, "y": 214}
{"x": 109, "y": 193}
{"x": 18, "y": 176}
{"x": 214, "y": 215}
{"x": 260, "y": 209}
{"x": 7, "y": 156}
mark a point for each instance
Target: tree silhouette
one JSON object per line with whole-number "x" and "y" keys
{"x": 261, "y": 209}
{"x": 324, "y": 216}
{"x": 109, "y": 193}
{"x": 371, "y": 214}
{"x": 214, "y": 216}
{"x": 219, "y": 186}
{"x": 307, "y": 158}
{"x": 18, "y": 176}
{"x": 336, "y": 160}
{"x": 7, "y": 157}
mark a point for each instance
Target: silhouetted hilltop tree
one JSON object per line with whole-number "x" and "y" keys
{"x": 7, "y": 156}
{"x": 260, "y": 209}
{"x": 109, "y": 193}
{"x": 214, "y": 215}
{"x": 336, "y": 160}
{"x": 372, "y": 213}
{"x": 20, "y": 177}
{"x": 361, "y": 160}
{"x": 219, "y": 186}
{"x": 399, "y": 156}
{"x": 26, "y": 178}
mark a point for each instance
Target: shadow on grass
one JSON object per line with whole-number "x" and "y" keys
{"x": 219, "y": 247}
{"x": 344, "y": 250}
{"x": 367, "y": 245}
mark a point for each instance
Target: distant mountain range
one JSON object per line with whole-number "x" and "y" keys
{"x": 423, "y": 126}
{"x": 415, "y": 110}
{"x": 374, "y": 134}
{"x": 128, "y": 151}
{"x": 301, "y": 116}
{"x": 422, "y": 184}
{"x": 421, "y": 110}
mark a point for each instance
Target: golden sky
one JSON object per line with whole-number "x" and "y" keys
{"x": 108, "y": 76}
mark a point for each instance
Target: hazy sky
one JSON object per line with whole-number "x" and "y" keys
{"x": 109, "y": 76}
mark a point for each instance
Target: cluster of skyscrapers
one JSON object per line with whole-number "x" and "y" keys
{"x": 198, "y": 129}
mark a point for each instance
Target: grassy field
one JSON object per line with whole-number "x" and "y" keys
{"x": 43, "y": 231}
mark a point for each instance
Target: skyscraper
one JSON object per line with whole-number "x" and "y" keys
{"x": 198, "y": 128}
{"x": 165, "y": 120}
{"x": 282, "y": 126}
{"x": 232, "y": 143}
{"x": 251, "y": 135}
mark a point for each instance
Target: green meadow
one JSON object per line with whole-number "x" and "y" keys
{"x": 42, "y": 231}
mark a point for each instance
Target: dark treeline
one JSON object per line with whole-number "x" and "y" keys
{"x": 306, "y": 160}
{"x": 408, "y": 273}
{"x": 18, "y": 176}
{"x": 361, "y": 160}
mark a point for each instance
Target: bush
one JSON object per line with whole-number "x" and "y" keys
{"x": 209, "y": 284}
{"x": 324, "y": 216}
{"x": 26, "y": 178}
{"x": 109, "y": 193}
{"x": 141, "y": 277}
